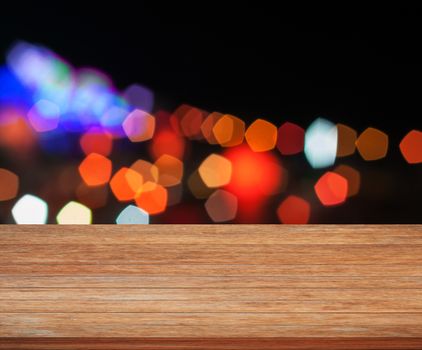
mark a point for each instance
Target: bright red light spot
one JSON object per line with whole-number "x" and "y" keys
{"x": 253, "y": 174}
{"x": 331, "y": 189}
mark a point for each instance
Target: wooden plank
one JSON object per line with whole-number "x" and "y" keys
{"x": 209, "y": 325}
{"x": 206, "y": 306}
{"x": 285, "y": 343}
{"x": 211, "y": 270}
{"x": 267, "y": 254}
{"x": 209, "y": 282}
{"x": 213, "y": 234}
{"x": 216, "y": 295}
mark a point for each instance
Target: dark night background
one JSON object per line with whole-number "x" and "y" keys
{"x": 358, "y": 66}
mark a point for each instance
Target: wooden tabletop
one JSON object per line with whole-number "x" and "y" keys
{"x": 211, "y": 286}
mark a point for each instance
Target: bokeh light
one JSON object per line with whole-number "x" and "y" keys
{"x": 372, "y": 144}
{"x": 346, "y": 144}
{"x": 64, "y": 128}
{"x": 253, "y": 174}
{"x": 331, "y": 189}
{"x": 139, "y": 97}
{"x": 170, "y": 170}
{"x": 74, "y": 213}
{"x": 167, "y": 142}
{"x": 139, "y": 126}
{"x": 208, "y": 126}
{"x": 44, "y": 116}
{"x": 95, "y": 169}
{"x": 149, "y": 171}
{"x": 229, "y": 130}
{"x": 352, "y": 176}
{"x": 294, "y": 210}
{"x": 132, "y": 215}
{"x": 9, "y": 185}
{"x": 291, "y": 139}
{"x": 411, "y": 147}
{"x": 221, "y": 206}
{"x": 152, "y": 198}
{"x": 215, "y": 171}
{"x": 261, "y": 135}
{"x": 96, "y": 140}
{"x": 30, "y": 209}
{"x": 126, "y": 183}
{"x": 321, "y": 143}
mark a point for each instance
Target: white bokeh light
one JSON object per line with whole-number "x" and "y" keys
{"x": 30, "y": 210}
{"x": 321, "y": 143}
{"x": 133, "y": 215}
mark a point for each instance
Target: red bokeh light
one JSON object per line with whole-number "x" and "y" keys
{"x": 331, "y": 189}
{"x": 291, "y": 138}
{"x": 294, "y": 210}
{"x": 255, "y": 176}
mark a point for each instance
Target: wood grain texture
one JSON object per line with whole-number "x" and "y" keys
{"x": 251, "y": 286}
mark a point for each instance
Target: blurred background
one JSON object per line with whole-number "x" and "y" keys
{"x": 202, "y": 113}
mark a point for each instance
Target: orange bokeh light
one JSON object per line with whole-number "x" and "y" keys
{"x": 126, "y": 184}
{"x": 229, "y": 131}
{"x": 95, "y": 169}
{"x": 346, "y": 140}
{"x": 96, "y": 141}
{"x": 372, "y": 144}
{"x": 208, "y": 125}
{"x": 148, "y": 170}
{"x": 411, "y": 147}
{"x": 294, "y": 210}
{"x": 170, "y": 170}
{"x": 9, "y": 185}
{"x": 152, "y": 198}
{"x": 261, "y": 136}
{"x": 331, "y": 189}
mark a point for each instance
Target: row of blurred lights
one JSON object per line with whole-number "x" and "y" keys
{"x": 44, "y": 99}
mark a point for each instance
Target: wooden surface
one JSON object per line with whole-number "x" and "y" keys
{"x": 298, "y": 286}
